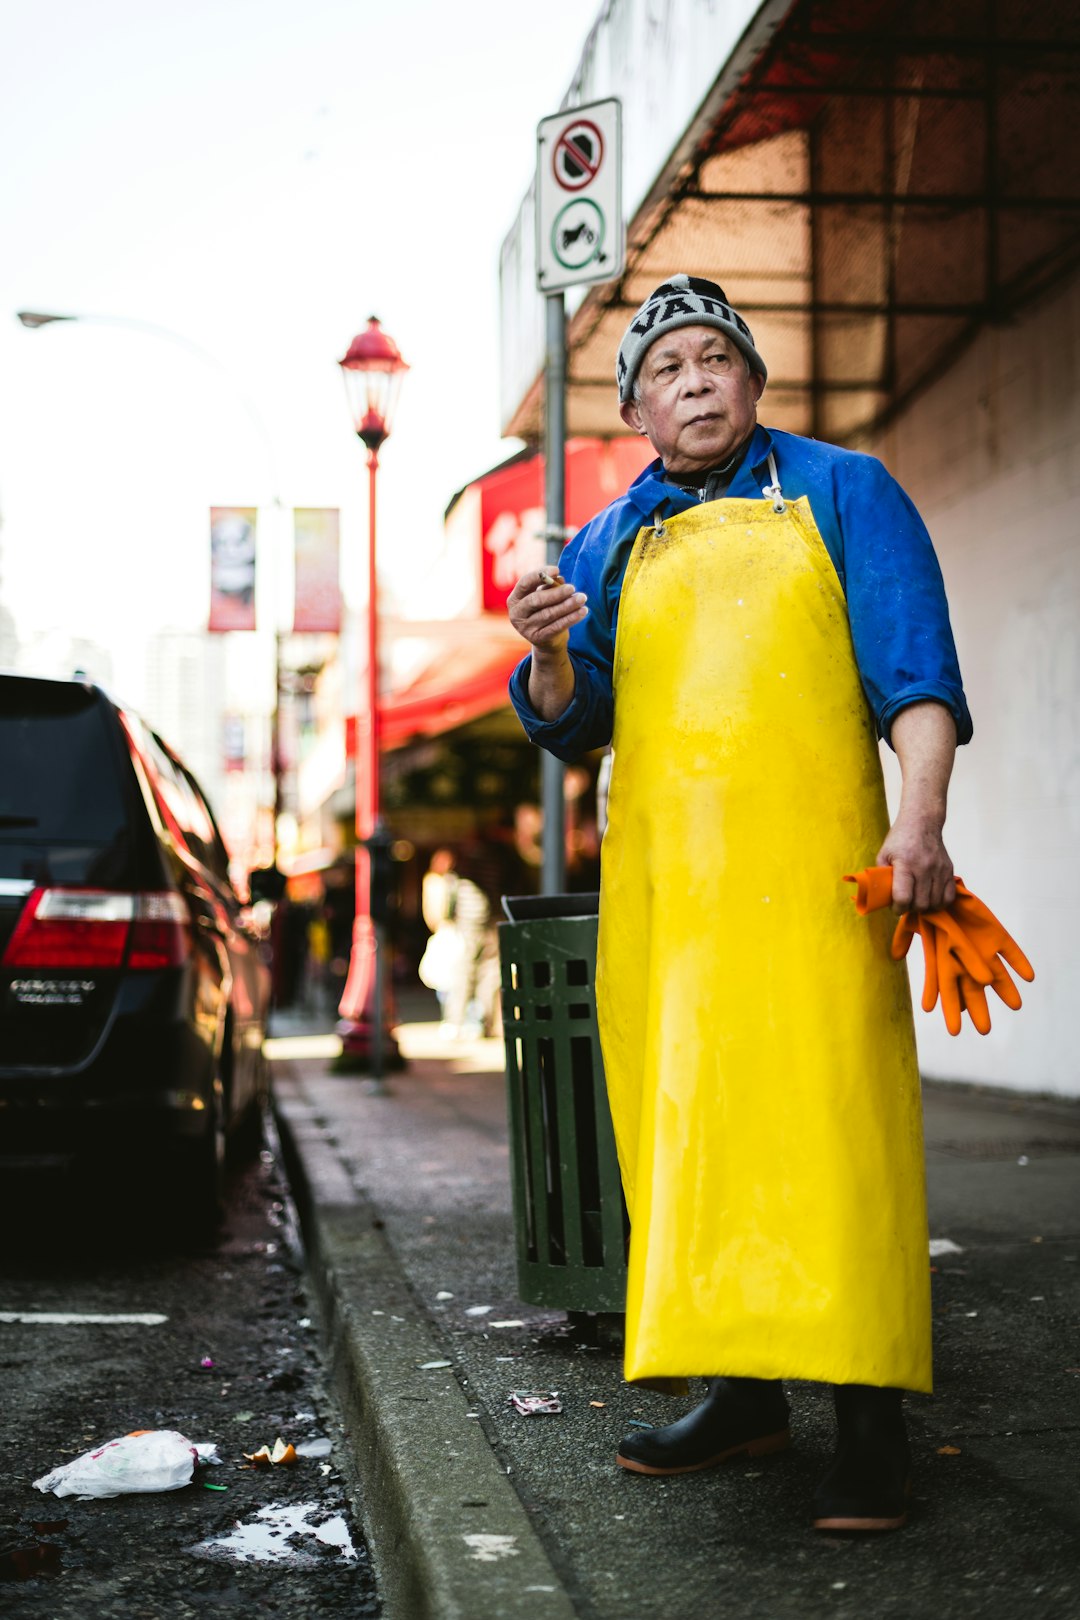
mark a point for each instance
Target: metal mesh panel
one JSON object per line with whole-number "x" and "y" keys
{"x": 568, "y": 1208}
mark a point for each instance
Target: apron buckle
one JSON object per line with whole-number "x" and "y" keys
{"x": 772, "y": 492}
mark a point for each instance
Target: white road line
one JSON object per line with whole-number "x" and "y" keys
{"x": 78, "y": 1318}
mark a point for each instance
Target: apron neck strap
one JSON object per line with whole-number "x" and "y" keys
{"x": 773, "y": 491}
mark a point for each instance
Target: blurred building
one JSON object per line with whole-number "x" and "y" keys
{"x": 890, "y": 193}
{"x": 186, "y": 701}
{"x": 211, "y": 698}
{"x": 59, "y": 655}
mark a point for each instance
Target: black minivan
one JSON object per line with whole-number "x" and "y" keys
{"x": 133, "y": 997}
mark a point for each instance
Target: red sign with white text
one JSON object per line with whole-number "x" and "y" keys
{"x": 512, "y": 505}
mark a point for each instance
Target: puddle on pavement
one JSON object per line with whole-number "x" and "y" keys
{"x": 29, "y": 1563}
{"x": 270, "y": 1537}
{"x": 37, "y": 1559}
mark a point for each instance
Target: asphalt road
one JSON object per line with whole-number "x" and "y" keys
{"x": 272, "y": 1540}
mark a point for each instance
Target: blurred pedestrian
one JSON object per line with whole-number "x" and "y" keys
{"x": 457, "y": 912}
{"x": 318, "y": 958}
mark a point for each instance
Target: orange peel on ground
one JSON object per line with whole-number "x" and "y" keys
{"x": 265, "y": 1458}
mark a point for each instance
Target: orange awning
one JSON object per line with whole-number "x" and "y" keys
{"x": 466, "y": 681}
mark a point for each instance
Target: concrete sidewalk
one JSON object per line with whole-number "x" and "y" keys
{"x": 475, "y": 1512}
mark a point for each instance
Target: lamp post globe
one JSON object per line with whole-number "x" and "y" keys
{"x": 372, "y": 369}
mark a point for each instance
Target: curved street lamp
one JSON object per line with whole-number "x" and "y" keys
{"x": 35, "y": 319}
{"x": 372, "y": 369}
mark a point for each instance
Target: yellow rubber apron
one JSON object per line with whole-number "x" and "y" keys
{"x": 757, "y": 1037}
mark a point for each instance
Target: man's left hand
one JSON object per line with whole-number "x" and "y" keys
{"x": 922, "y": 868}
{"x": 924, "y": 736}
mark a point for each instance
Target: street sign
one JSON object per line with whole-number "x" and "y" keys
{"x": 579, "y": 152}
{"x": 579, "y": 226}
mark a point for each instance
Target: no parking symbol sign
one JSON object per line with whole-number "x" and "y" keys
{"x": 579, "y": 236}
{"x": 578, "y": 154}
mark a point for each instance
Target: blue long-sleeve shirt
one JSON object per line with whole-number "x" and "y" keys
{"x": 879, "y": 547}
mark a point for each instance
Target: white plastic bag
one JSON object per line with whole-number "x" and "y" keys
{"x": 443, "y": 959}
{"x": 148, "y": 1460}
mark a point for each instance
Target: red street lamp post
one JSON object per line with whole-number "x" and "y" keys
{"x": 373, "y": 369}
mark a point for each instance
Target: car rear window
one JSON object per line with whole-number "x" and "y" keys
{"x": 63, "y": 816}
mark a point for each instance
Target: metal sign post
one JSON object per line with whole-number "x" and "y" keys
{"x": 579, "y": 238}
{"x": 553, "y": 866}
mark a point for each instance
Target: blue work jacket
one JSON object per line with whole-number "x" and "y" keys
{"x": 879, "y": 547}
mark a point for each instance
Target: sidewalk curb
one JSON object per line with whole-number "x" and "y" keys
{"x": 450, "y": 1538}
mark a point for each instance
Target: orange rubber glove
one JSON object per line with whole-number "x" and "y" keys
{"x": 945, "y": 974}
{"x": 996, "y": 946}
{"x": 951, "y": 937}
{"x": 991, "y": 939}
{"x": 873, "y": 892}
{"x": 965, "y": 949}
{"x": 951, "y": 976}
{"x": 873, "y": 888}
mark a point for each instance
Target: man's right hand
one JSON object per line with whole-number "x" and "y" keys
{"x": 543, "y": 608}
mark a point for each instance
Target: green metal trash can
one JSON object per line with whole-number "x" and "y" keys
{"x": 569, "y": 1214}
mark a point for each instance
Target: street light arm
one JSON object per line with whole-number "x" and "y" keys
{"x": 35, "y": 319}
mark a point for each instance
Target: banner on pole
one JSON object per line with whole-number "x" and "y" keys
{"x": 232, "y": 568}
{"x": 318, "y": 574}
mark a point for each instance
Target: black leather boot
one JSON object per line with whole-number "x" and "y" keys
{"x": 739, "y": 1417}
{"x": 868, "y": 1485}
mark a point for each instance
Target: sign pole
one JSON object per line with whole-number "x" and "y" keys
{"x": 579, "y": 239}
{"x": 553, "y": 868}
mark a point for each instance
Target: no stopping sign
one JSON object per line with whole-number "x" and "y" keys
{"x": 578, "y": 155}
{"x": 579, "y": 234}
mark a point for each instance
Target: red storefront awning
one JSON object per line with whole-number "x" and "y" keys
{"x": 468, "y": 680}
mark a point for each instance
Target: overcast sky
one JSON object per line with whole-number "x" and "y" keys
{"x": 257, "y": 177}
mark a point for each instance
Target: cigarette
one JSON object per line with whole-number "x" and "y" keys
{"x": 549, "y": 579}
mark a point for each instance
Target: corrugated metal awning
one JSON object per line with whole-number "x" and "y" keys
{"x": 886, "y": 179}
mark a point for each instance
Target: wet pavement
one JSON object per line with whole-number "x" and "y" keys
{"x": 407, "y": 1200}
{"x": 110, "y": 1324}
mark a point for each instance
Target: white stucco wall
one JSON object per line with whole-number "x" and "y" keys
{"x": 991, "y": 456}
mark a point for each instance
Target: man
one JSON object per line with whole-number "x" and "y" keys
{"x": 744, "y": 623}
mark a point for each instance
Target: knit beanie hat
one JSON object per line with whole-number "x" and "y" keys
{"x": 681, "y": 301}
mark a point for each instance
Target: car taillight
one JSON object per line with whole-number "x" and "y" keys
{"x": 68, "y": 928}
{"x": 92, "y": 928}
{"x": 161, "y": 933}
